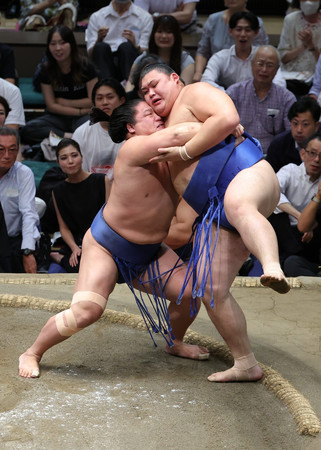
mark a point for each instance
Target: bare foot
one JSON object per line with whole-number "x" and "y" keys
{"x": 274, "y": 278}
{"x": 29, "y": 365}
{"x": 279, "y": 285}
{"x": 253, "y": 374}
{"x": 188, "y": 351}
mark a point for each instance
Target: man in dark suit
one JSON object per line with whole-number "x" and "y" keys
{"x": 285, "y": 148}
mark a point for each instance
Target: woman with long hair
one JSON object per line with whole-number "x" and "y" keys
{"x": 66, "y": 82}
{"x": 77, "y": 200}
{"x": 166, "y": 42}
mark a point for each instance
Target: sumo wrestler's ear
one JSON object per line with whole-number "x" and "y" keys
{"x": 175, "y": 77}
{"x": 130, "y": 128}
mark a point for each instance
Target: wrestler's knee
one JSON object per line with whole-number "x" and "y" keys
{"x": 235, "y": 208}
{"x": 220, "y": 294}
{"x": 86, "y": 313}
{"x": 86, "y": 308}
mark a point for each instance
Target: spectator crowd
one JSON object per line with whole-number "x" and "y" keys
{"x": 276, "y": 91}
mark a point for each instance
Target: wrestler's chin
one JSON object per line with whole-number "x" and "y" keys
{"x": 158, "y": 107}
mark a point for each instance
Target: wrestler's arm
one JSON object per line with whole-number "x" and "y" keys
{"x": 181, "y": 227}
{"x": 217, "y": 112}
{"x": 138, "y": 150}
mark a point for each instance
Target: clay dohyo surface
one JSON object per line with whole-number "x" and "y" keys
{"x": 109, "y": 387}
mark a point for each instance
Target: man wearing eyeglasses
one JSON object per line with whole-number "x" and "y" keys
{"x": 263, "y": 105}
{"x": 299, "y": 186}
{"x": 17, "y": 198}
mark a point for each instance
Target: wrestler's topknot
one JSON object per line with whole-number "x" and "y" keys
{"x": 120, "y": 118}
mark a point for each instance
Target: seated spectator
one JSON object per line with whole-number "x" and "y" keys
{"x": 183, "y": 11}
{"x": 216, "y": 36}
{"x": 315, "y": 90}
{"x": 4, "y": 110}
{"x": 166, "y": 42}
{"x": 41, "y": 15}
{"x": 230, "y": 66}
{"x": 310, "y": 220}
{"x": 285, "y": 148}
{"x": 16, "y": 116}
{"x": 262, "y": 105}
{"x": 5, "y": 261}
{"x": 298, "y": 185}
{"x": 98, "y": 150}
{"x": 300, "y": 45}
{"x": 66, "y": 84}
{"x": 77, "y": 200}
{"x": 17, "y": 198}
{"x": 7, "y": 64}
{"x": 116, "y": 35}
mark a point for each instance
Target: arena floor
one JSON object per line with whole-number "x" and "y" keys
{"x": 109, "y": 387}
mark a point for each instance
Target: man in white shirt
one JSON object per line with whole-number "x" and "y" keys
{"x": 17, "y": 198}
{"x": 116, "y": 35}
{"x": 232, "y": 65}
{"x": 12, "y": 94}
{"x": 298, "y": 185}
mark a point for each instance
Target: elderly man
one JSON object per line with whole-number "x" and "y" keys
{"x": 17, "y": 197}
{"x": 116, "y": 35}
{"x": 262, "y": 105}
{"x": 218, "y": 188}
{"x": 232, "y": 65}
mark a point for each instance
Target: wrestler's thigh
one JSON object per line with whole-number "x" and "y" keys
{"x": 167, "y": 259}
{"x": 98, "y": 271}
{"x": 256, "y": 187}
{"x": 230, "y": 253}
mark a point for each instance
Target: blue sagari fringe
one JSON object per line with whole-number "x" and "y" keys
{"x": 157, "y": 299}
{"x": 202, "y": 255}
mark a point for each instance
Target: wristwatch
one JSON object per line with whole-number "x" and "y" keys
{"x": 315, "y": 199}
{"x": 27, "y": 251}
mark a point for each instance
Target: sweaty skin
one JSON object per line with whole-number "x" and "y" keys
{"x": 140, "y": 208}
{"x": 251, "y": 197}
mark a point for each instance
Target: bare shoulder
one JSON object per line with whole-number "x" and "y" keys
{"x": 203, "y": 100}
{"x": 203, "y": 90}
